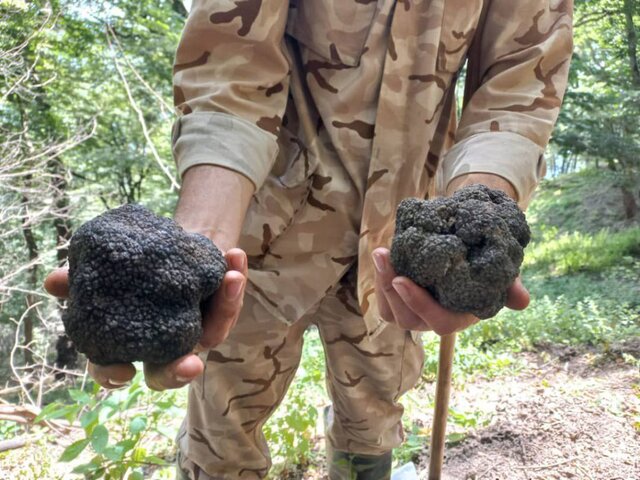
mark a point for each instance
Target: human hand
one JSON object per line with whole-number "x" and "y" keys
{"x": 403, "y": 302}
{"x": 219, "y": 317}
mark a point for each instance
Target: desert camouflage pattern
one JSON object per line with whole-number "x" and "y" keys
{"x": 247, "y": 376}
{"x": 339, "y": 109}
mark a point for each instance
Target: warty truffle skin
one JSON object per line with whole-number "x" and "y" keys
{"x": 136, "y": 284}
{"x": 466, "y": 250}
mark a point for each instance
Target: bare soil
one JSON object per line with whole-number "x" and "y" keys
{"x": 567, "y": 415}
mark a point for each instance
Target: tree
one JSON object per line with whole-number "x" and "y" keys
{"x": 84, "y": 125}
{"x": 600, "y": 119}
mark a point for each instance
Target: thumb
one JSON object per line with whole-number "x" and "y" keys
{"x": 57, "y": 283}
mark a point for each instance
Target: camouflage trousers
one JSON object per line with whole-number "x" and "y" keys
{"x": 247, "y": 376}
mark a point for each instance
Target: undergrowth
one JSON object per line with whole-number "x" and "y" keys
{"x": 582, "y": 269}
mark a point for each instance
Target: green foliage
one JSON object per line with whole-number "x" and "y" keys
{"x": 600, "y": 115}
{"x": 66, "y": 68}
{"x": 586, "y": 201}
{"x": 472, "y": 359}
{"x": 124, "y": 430}
{"x": 579, "y": 252}
{"x": 592, "y": 321}
{"x": 417, "y": 425}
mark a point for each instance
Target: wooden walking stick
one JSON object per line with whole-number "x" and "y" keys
{"x": 441, "y": 409}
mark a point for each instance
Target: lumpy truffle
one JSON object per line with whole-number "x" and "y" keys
{"x": 466, "y": 250}
{"x": 136, "y": 285}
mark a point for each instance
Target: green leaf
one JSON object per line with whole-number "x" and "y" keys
{"x": 127, "y": 444}
{"x": 139, "y": 454}
{"x": 156, "y": 460}
{"x": 88, "y": 419}
{"x": 58, "y": 410}
{"x": 73, "y": 450}
{"x": 106, "y": 412}
{"x": 99, "y": 438}
{"x": 114, "y": 453}
{"x": 131, "y": 399}
{"x": 136, "y": 475}
{"x": 85, "y": 468}
{"x": 48, "y": 411}
{"x": 455, "y": 437}
{"x": 138, "y": 424}
{"x": 79, "y": 396}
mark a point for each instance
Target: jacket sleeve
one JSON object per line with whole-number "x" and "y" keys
{"x": 230, "y": 88}
{"x": 521, "y": 66}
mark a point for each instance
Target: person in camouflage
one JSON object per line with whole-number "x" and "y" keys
{"x": 302, "y": 125}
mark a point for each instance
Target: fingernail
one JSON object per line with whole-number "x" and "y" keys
{"x": 378, "y": 261}
{"x": 183, "y": 379}
{"x": 232, "y": 291}
{"x": 400, "y": 289}
{"x": 118, "y": 383}
{"x": 238, "y": 264}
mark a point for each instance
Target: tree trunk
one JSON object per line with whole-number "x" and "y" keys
{"x": 632, "y": 41}
{"x": 32, "y": 249}
{"x": 66, "y": 353}
{"x": 629, "y": 203}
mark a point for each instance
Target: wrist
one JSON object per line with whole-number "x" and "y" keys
{"x": 489, "y": 179}
{"x": 213, "y": 202}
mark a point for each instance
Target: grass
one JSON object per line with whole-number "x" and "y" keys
{"x": 586, "y": 201}
{"x": 568, "y": 253}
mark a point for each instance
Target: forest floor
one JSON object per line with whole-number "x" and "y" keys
{"x": 566, "y": 414}
{"x": 563, "y": 414}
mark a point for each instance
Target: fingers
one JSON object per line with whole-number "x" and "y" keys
{"x": 158, "y": 377}
{"x": 112, "y": 376}
{"x": 518, "y": 297}
{"x": 237, "y": 260}
{"x": 223, "y": 308}
{"x": 422, "y": 303}
{"x": 391, "y": 307}
{"x": 57, "y": 283}
{"x": 410, "y": 306}
{"x": 173, "y": 375}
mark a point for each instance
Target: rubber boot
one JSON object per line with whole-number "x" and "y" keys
{"x": 354, "y": 466}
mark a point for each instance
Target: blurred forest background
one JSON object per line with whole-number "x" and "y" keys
{"x": 85, "y": 119}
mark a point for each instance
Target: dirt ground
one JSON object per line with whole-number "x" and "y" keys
{"x": 567, "y": 415}
{"x": 564, "y": 415}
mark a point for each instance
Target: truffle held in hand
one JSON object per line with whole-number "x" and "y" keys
{"x": 136, "y": 284}
{"x": 466, "y": 250}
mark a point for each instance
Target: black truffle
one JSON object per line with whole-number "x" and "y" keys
{"x": 136, "y": 284}
{"x": 466, "y": 250}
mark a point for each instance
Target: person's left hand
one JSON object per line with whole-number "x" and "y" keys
{"x": 411, "y": 307}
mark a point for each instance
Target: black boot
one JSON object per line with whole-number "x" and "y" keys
{"x": 353, "y": 466}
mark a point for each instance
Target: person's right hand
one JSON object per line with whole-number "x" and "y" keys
{"x": 219, "y": 317}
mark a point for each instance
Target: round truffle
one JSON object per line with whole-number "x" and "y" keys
{"x": 136, "y": 285}
{"x": 466, "y": 250}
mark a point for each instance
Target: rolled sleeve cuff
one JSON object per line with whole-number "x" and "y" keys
{"x": 215, "y": 138}
{"x": 509, "y": 155}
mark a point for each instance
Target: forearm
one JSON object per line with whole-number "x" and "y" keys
{"x": 213, "y": 201}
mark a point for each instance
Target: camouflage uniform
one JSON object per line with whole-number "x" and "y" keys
{"x": 336, "y": 110}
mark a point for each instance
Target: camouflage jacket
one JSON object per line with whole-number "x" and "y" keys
{"x": 338, "y": 109}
